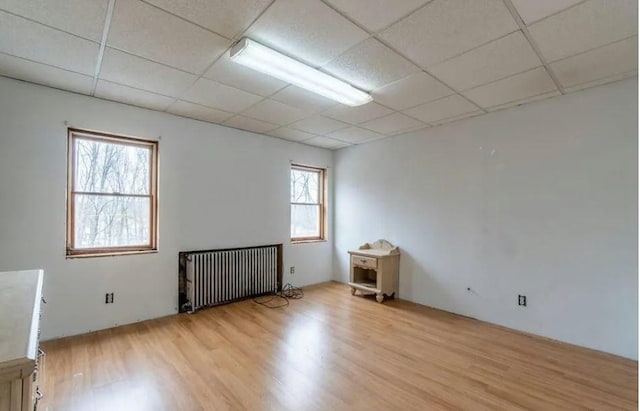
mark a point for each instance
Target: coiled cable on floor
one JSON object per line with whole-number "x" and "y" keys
{"x": 280, "y": 299}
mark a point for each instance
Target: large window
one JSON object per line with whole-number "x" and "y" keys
{"x": 307, "y": 203}
{"x": 112, "y": 194}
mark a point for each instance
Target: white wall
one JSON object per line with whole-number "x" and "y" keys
{"x": 538, "y": 200}
{"x": 219, "y": 187}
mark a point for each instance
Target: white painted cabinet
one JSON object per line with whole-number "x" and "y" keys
{"x": 21, "y": 360}
{"x": 374, "y": 269}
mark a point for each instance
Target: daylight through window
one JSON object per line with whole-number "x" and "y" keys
{"x": 111, "y": 200}
{"x": 307, "y": 203}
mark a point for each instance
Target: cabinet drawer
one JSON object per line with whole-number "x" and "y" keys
{"x": 363, "y": 261}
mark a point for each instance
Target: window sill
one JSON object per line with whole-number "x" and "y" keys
{"x": 110, "y": 254}
{"x": 308, "y": 241}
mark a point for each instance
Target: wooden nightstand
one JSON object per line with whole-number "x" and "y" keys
{"x": 374, "y": 269}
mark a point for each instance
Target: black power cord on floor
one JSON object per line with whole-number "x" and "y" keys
{"x": 280, "y": 299}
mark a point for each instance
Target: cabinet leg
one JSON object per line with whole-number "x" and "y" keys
{"x": 379, "y": 297}
{"x": 353, "y": 291}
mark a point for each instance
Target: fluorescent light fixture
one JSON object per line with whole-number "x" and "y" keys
{"x": 265, "y": 60}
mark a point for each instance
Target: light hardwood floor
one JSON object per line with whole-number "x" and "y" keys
{"x": 329, "y": 351}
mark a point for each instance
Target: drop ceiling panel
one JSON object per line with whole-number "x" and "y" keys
{"x": 81, "y": 17}
{"x": 21, "y": 69}
{"x": 393, "y": 124}
{"x": 23, "y": 38}
{"x": 376, "y": 14}
{"x": 501, "y": 58}
{"x": 444, "y": 108}
{"x": 291, "y": 134}
{"x": 307, "y": 30}
{"x": 604, "y": 62}
{"x": 355, "y": 135}
{"x": 305, "y": 100}
{"x": 411, "y": 91}
{"x": 532, "y": 10}
{"x": 326, "y": 142}
{"x": 149, "y": 32}
{"x": 274, "y": 112}
{"x": 198, "y": 112}
{"x": 215, "y": 95}
{"x": 123, "y": 68}
{"x": 357, "y": 115}
{"x": 518, "y": 87}
{"x": 445, "y": 28}
{"x": 159, "y": 48}
{"x": 370, "y": 65}
{"x": 124, "y": 94}
{"x": 225, "y": 17}
{"x": 588, "y": 25}
{"x": 318, "y": 125}
{"x": 250, "y": 124}
{"x": 233, "y": 74}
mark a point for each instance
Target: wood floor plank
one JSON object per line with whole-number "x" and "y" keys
{"x": 329, "y": 351}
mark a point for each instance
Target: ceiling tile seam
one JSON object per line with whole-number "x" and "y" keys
{"x": 404, "y": 17}
{"x": 377, "y": 37}
{"x": 49, "y": 26}
{"x": 241, "y": 33}
{"x": 401, "y": 131}
{"x": 191, "y": 118}
{"x": 184, "y": 19}
{"x": 151, "y": 60}
{"x": 466, "y": 90}
{"x": 346, "y": 125}
{"x": 142, "y": 89}
{"x": 362, "y": 27}
{"x": 520, "y": 101}
{"x": 453, "y": 93}
{"x": 376, "y": 34}
{"x": 291, "y": 141}
{"x": 231, "y": 114}
{"x": 313, "y": 134}
{"x": 429, "y": 73}
{"x": 404, "y": 111}
{"x": 555, "y": 13}
{"x": 458, "y": 117}
{"x": 122, "y": 102}
{"x": 601, "y": 81}
{"x": 593, "y": 49}
{"x": 486, "y": 43}
{"x": 516, "y": 16}
{"x": 220, "y": 56}
{"x": 30, "y": 82}
{"x": 103, "y": 44}
{"x": 46, "y": 64}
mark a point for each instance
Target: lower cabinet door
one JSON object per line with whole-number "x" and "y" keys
{"x": 27, "y": 393}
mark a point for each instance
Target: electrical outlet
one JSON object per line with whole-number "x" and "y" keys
{"x": 292, "y": 270}
{"x": 108, "y": 298}
{"x": 522, "y": 300}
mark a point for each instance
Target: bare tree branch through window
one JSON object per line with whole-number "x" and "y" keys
{"x": 112, "y": 193}
{"x": 307, "y": 203}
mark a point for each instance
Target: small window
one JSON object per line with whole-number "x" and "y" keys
{"x": 112, "y": 194}
{"x": 307, "y": 203}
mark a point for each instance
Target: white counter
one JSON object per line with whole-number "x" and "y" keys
{"x": 20, "y": 297}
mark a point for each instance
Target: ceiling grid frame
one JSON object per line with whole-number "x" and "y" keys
{"x": 371, "y": 34}
{"x": 103, "y": 44}
{"x": 523, "y": 27}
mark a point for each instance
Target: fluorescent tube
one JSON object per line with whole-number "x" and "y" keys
{"x": 265, "y": 60}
